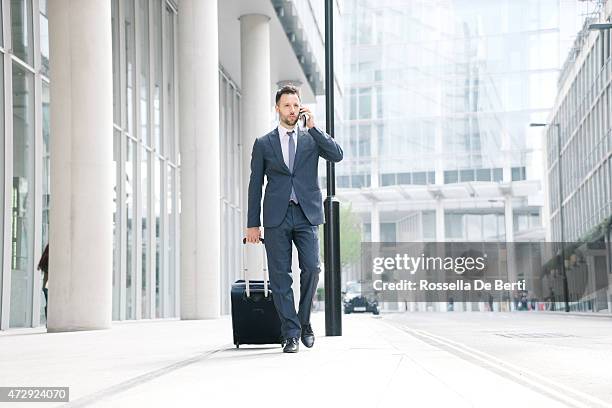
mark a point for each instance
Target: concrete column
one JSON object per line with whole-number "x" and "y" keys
{"x": 374, "y": 223}
{"x": 440, "y": 224}
{"x": 81, "y": 235}
{"x": 199, "y": 146}
{"x": 374, "y": 163}
{"x": 439, "y": 161}
{"x": 256, "y": 105}
{"x": 509, "y": 219}
{"x": 509, "y": 226}
{"x": 440, "y": 238}
{"x": 591, "y": 286}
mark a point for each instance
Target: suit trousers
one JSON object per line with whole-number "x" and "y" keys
{"x": 295, "y": 228}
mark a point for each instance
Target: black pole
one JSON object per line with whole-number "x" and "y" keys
{"x": 331, "y": 228}
{"x": 562, "y": 263}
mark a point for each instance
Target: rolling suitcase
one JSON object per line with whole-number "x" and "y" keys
{"x": 254, "y": 316}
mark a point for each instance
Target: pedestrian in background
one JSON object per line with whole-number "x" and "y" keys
{"x": 43, "y": 265}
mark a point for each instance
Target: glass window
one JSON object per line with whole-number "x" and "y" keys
{"x": 489, "y": 226}
{"x": 22, "y": 217}
{"x": 117, "y": 284}
{"x": 467, "y": 175}
{"x": 534, "y": 220}
{"x": 365, "y": 103}
{"x": 169, "y": 93}
{"x": 144, "y": 191}
{"x": 158, "y": 241}
{"x": 429, "y": 225}
{"x": 474, "y": 227}
{"x": 387, "y": 232}
{"x": 172, "y": 240}
{"x": 147, "y": 136}
{"x": 21, "y": 30}
{"x": 453, "y": 225}
{"x": 46, "y": 185}
{"x": 521, "y": 222}
{"x": 44, "y": 37}
{"x": 498, "y": 175}
{"x": 419, "y": 178}
{"x": 129, "y": 33}
{"x": 343, "y": 181}
{"x": 404, "y": 178}
{"x": 387, "y": 179}
{"x": 130, "y": 189}
{"x": 483, "y": 175}
{"x": 237, "y": 149}
{"x": 451, "y": 176}
{"x": 431, "y": 177}
{"x": 353, "y": 104}
{"x": 364, "y": 140}
{"x": 143, "y": 44}
{"x": 156, "y": 34}
{"x": 46, "y": 163}
{"x": 357, "y": 181}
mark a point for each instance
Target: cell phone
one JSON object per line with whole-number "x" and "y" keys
{"x": 304, "y": 118}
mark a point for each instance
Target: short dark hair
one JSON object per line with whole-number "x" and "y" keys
{"x": 287, "y": 89}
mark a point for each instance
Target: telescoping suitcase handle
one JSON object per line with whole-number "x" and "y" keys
{"x": 246, "y": 269}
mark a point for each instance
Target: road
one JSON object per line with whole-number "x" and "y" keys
{"x": 566, "y": 356}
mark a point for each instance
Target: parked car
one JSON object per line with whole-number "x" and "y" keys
{"x": 356, "y": 300}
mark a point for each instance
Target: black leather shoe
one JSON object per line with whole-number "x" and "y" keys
{"x": 291, "y": 345}
{"x": 308, "y": 337}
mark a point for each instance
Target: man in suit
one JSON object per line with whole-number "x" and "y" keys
{"x": 292, "y": 210}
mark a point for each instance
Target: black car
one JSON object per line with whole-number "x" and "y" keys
{"x": 355, "y": 300}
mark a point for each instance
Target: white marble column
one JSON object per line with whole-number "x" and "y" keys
{"x": 81, "y": 213}
{"x": 256, "y": 106}
{"x": 198, "y": 82}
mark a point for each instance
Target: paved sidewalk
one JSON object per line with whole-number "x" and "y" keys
{"x": 193, "y": 363}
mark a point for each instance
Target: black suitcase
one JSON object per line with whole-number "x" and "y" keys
{"x": 254, "y": 316}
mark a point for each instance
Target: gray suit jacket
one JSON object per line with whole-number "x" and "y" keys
{"x": 267, "y": 159}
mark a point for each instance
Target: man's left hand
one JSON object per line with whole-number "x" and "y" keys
{"x": 310, "y": 117}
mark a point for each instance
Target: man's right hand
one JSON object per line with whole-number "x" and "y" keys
{"x": 253, "y": 235}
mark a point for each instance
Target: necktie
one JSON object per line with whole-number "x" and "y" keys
{"x": 293, "y": 197}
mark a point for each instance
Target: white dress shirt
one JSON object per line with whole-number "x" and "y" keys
{"x": 284, "y": 139}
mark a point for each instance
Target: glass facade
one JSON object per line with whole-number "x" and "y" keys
{"x": 146, "y": 238}
{"x": 23, "y": 198}
{"x": 582, "y": 141}
{"x": 24, "y": 171}
{"x": 231, "y": 194}
{"x": 147, "y": 164}
{"x": 442, "y": 94}
{"x": 145, "y": 221}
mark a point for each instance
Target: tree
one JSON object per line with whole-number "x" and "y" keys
{"x": 350, "y": 236}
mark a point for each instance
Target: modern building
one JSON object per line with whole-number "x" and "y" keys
{"x": 438, "y": 99}
{"x": 439, "y": 96}
{"x": 579, "y": 151}
{"x": 127, "y": 129}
